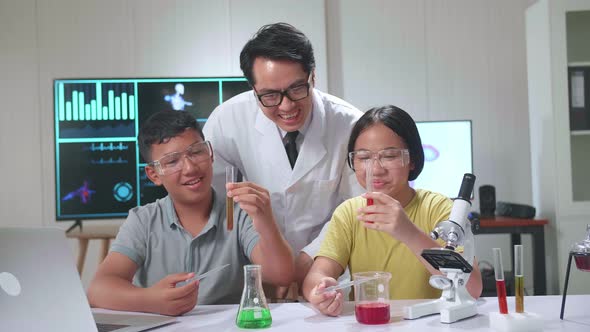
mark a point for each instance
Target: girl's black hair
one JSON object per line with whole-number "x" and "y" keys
{"x": 400, "y": 123}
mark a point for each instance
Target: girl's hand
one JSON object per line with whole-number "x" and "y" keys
{"x": 328, "y": 303}
{"x": 386, "y": 215}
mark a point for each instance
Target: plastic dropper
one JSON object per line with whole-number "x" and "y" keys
{"x": 345, "y": 284}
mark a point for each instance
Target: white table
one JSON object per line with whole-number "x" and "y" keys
{"x": 300, "y": 317}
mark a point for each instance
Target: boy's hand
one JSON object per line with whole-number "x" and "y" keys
{"x": 167, "y": 299}
{"x": 328, "y": 303}
{"x": 253, "y": 199}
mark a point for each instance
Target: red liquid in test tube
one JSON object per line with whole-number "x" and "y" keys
{"x": 500, "y": 282}
{"x": 501, "y": 290}
{"x": 369, "y": 179}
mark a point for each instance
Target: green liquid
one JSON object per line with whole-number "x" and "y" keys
{"x": 256, "y": 318}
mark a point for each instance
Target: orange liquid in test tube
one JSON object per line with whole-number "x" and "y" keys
{"x": 518, "y": 278}
{"x": 230, "y": 177}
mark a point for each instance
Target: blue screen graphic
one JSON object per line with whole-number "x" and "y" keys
{"x": 99, "y": 172}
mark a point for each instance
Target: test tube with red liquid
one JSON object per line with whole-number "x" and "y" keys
{"x": 369, "y": 178}
{"x": 500, "y": 282}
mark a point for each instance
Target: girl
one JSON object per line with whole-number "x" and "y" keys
{"x": 390, "y": 234}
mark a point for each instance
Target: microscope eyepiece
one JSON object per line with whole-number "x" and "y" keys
{"x": 466, "y": 187}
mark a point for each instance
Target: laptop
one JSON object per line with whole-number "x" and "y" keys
{"x": 40, "y": 289}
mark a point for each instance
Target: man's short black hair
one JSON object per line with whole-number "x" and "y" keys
{"x": 161, "y": 127}
{"x": 401, "y": 123}
{"x": 277, "y": 41}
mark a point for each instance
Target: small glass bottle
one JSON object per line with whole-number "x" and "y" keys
{"x": 253, "y": 312}
{"x": 581, "y": 252}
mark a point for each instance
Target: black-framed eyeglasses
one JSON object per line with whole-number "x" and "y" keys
{"x": 294, "y": 93}
{"x": 390, "y": 158}
{"x": 173, "y": 162}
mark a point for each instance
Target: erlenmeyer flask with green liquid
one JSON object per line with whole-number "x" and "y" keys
{"x": 253, "y": 312}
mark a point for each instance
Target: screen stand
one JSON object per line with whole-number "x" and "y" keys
{"x": 78, "y": 223}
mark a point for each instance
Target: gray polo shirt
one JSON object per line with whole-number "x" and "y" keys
{"x": 155, "y": 240}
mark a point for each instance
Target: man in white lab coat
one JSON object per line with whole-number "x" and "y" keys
{"x": 286, "y": 136}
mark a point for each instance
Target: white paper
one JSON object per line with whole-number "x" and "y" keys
{"x": 577, "y": 89}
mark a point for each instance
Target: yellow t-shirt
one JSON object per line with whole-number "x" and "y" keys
{"x": 350, "y": 244}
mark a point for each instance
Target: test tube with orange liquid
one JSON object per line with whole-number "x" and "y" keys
{"x": 230, "y": 177}
{"x": 518, "y": 278}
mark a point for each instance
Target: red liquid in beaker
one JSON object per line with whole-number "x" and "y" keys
{"x": 372, "y": 313}
{"x": 583, "y": 262}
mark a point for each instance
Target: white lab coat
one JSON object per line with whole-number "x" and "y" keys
{"x": 303, "y": 198}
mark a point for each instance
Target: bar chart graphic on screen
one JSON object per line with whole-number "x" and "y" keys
{"x": 96, "y": 101}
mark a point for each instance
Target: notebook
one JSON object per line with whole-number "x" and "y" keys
{"x": 40, "y": 289}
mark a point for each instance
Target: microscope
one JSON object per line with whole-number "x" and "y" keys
{"x": 455, "y": 303}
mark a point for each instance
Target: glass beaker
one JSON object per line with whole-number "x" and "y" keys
{"x": 372, "y": 297}
{"x": 253, "y": 312}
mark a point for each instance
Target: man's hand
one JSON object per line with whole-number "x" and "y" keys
{"x": 167, "y": 299}
{"x": 328, "y": 303}
{"x": 255, "y": 200}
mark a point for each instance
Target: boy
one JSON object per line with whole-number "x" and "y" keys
{"x": 169, "y": 241}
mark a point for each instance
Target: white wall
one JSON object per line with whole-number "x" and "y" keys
{"x": 444, "y": 60}
{"x": 20, "y": 125}
{"x": 457, "y": 59}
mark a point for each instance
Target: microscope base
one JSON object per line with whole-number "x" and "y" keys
{"x": 450, "y": 312}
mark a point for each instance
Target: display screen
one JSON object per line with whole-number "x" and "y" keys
{"x": 447, "y": 156}
{"x": 98, "y": 169}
